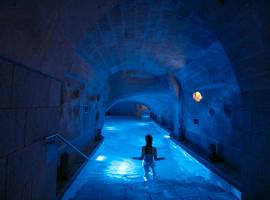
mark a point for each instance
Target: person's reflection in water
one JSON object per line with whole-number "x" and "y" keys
{"x": 149, "y": 154}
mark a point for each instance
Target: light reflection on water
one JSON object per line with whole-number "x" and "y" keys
{"x": 143, "y": 124}
{"x": 110, "y": 128}
{"x": 121, "y": 169}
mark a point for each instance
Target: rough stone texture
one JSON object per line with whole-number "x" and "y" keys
{"x": 77, "y": 120}
{"x": 48, "y": 35}
{"x": 145, "y": 45}
{"x": 248, "y": 56}
{"x": 218, "y": 47}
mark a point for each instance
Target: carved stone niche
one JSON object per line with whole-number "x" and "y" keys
{"x": 196, "y": 121}
{"x": 228, "y": 110}
{"x": 75, "y": 94}
{"x": 76, "y": 111}
{"x": 98, "y": 97}
{"x": 86, "y": 108}
{"x": 212, "y": 112}
{"x": 97, "y": 116}
{"x": 91, "y": 97}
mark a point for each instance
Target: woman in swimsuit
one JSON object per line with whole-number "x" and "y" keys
{"x": 149, "y": 154}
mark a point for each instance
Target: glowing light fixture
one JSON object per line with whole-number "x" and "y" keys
{"x": 100, "y": 158}
{"x": 197, "y": 96}
{"x": 166, "y": 136}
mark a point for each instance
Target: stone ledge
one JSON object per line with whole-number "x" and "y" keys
{"x": 230, "y": 175}
{"x": 75, "y": 171}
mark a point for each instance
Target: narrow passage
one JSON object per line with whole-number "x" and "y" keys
{"x": 111, "y": 174}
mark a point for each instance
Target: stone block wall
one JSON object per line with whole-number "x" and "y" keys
{"x": 35, "y": 105}
{"x": 81, "y": 112}
{"x": 29, "y": 111}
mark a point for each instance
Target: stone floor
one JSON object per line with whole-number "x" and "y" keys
{"x": 111, "y": 174}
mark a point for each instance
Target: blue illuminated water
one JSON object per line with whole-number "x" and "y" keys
{"x": 112, "y": 174}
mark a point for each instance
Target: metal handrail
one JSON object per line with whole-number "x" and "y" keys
{"x": 52, "y": 139}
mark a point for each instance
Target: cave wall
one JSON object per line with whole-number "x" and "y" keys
{"x": 242, "y": 28}
{"x": 213, "y": 120}
{"x": 45, "y": 38}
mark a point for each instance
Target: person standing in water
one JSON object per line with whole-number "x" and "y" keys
{"x": 149, "y": 154}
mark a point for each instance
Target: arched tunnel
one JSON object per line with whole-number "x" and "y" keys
{"x": 83, "y": 82}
